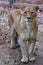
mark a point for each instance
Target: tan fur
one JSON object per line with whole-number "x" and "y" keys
{"x": 16, "y": 14}
{"x": 34, "y": 23}
{"x": 25, "y": 32}
{"x": 33, "y": 16}
{"x": 14, "y": 19}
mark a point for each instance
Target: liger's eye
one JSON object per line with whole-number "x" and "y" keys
{"x": 25, "y": 12}
{"x": 32, "y": 12}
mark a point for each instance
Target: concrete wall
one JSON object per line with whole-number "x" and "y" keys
{"x": 31, "y": 1}
{"x": 28, "y": 1}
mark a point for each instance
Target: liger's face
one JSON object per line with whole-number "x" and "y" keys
{"x": 26, "y": 13}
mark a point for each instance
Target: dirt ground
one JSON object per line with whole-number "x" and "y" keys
{"x": 12, "y": 56}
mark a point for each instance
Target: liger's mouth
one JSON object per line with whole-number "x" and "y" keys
{"x": 28, "y": 20}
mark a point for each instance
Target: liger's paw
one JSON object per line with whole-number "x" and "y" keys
{"x": 24, "y": 60}
{"x": 32, "y": 59}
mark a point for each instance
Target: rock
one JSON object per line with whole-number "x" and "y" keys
{"x": 2, "y": 41}
{"x": 15, "y": 60}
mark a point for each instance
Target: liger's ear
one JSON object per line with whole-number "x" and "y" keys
{"x": 36, "y": 8}
{"x": 22, "y": 7}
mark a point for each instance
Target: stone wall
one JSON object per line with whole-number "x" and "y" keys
{"x": 28, "y": 1}
{"x": 31, "y": 1}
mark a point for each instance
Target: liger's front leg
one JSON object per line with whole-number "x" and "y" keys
{"x": 23, "y": 50}
{"x": 30, "y": 52}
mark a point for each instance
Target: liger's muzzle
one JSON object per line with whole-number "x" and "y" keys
{"x": 28, "y": 20}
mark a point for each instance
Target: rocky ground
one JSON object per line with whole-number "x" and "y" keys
{"x": 12, "y": 56}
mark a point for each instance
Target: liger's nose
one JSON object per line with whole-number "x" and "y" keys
{"x": 28, "y": 17}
